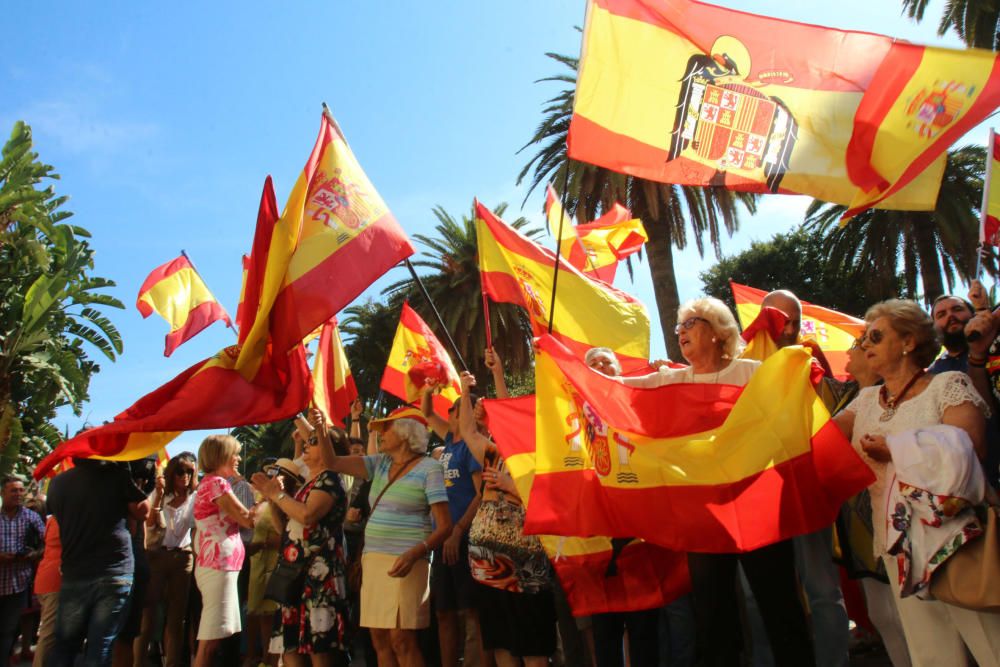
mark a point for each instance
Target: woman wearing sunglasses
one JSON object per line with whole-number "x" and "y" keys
{"x": 171, "y": 559}
{"x": 710, "y": 342}
{"x": 899, "y": 343}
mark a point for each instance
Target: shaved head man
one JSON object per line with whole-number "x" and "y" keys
{"x": 790, "y": 305}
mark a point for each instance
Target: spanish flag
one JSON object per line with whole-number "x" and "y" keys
{"x": 176, "y": 292}
{"x": 417, "y": 354}
{"x": 725, "y": 468}
{"x": 208, "y": 395}
{"x": 921, "y": 100}
{"x": 335, "y": 237}
{"x": 333, "y": 384}
{"x": 595, "y": 248}
{"x": 597, "y": 575}
{"x": 255, "y": 265}
{"x": 685, "y": 92}
{"x": 588, "y": 312}
{"x": 989, "y": 228}
{"x": 832, "y": 331}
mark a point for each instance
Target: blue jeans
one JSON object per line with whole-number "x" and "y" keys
{"x": 90, "y": 609}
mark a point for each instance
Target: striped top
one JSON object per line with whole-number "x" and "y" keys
{"x": 402, "y": 518}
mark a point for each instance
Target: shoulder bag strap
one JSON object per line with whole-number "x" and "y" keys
{"x": 399, "y": 473}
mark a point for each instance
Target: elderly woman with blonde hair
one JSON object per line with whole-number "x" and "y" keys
{"x": 892, "y": 427}
{"x": 407, "y": 491}
{"x": 710, "y": 342}
{"x": 218, "y": 516}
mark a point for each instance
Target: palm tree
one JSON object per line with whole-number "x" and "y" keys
{"x": 49, "y": 305}
{"x": 935, "y": 245}
{"x": 454, "y": 285}
{"x": 666, "y": 210}
{"x": 264, "y": 441}
{"x": 977, "y": 22}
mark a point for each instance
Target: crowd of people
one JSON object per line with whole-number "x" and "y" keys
{"x": 351, "y": 551}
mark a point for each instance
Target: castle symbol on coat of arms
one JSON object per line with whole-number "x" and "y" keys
{"x": 725, "y": 123}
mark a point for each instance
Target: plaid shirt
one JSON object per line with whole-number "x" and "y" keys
{"x": 15, "y": 577}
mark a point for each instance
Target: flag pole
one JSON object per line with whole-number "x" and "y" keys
{"x": 486, "y": 318}
{"x": 984, "y": 208}
{"x": 555, "y": 270}
{"x": 195, "y": 268}
{"x": 437, "y": 315}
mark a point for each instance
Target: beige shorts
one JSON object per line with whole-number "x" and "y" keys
{"x": 394, "y": 602}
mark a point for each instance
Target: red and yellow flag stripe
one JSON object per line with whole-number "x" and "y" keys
{"x": 413, "y": 345}
{"x": 176, "y": 292}
{"x": 728, "y": 468}
{"x": 588, "y": 313}
{"x": 333, "y": 385}
{"x": 989, "y": 229}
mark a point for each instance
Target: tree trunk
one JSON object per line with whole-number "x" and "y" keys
{"x": 927, "y": 250}
{"x": 660, "y": 253}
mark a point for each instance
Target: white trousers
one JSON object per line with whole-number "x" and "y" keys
{"x": 938, "y": 633}
{"x": 885, "y": 616}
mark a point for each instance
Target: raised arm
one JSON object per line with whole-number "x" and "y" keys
{"x": 495, "y": 364}
{"x": 436, "y": 423}
{"x": 356, "y": 408}
{"x": 477, "y": 443}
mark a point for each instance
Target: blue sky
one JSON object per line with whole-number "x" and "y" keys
{"x": 164, "y": 118}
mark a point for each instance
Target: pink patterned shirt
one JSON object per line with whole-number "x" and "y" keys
{"x": 219, "y": 543}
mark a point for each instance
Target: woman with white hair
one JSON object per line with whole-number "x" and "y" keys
{"x": 710, "y": 342}
{"x": 407, "y": 492}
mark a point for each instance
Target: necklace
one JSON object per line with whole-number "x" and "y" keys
{"x": 892, "y": 401}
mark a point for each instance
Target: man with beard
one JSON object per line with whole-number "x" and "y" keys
{"x": 950, "y": 314}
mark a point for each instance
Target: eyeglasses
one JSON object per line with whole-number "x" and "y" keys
{"x": 688, "y": 324}
{"x": 180, "y": 472}
{"x": 874, "y": 336}
{"x": 858, "y": 343}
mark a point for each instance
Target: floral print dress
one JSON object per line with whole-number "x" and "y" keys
{"x": 319, "y": 624}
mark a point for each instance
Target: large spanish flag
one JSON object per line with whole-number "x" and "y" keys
{"x": 333, "y": 384}
{"x": 921, "y": 101}
{"x": 989, "y": 227}
{"x": 335, "y": 237}
{"x": 680, "y": 91}
{"x": 832, "y": 331}
{"x": 597, "y": 575}
{"x": 209, "y": 395}
{"x": 417, "y": 354}
{"x": 692, "y": 467}
{"x": 595, "y": 248}
{"x": 588, "y": 312}
{"x": 176, "y": 292}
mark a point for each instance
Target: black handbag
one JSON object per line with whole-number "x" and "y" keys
{"x": 286, "y": 583}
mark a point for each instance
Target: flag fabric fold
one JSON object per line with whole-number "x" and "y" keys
{"x": 208, "y": 395}
{"x": 588, "y": 313}
{"x": 641, "y": 576}
{"x": 690, "y": 93}
{"x": 921, "y": 100}
{"x": 333, "y": 385}
{"x": 417, "y": 354}
{"x": 595, "y": 248}
{"x": 833, "y": 331}
{"x": 176, "y": 292}
{"x": 727, "y": 468}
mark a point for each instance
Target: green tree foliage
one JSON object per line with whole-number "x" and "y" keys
{"x": 264, "y": 441}
{"x": 672, "y": 215}
{"x": 937, "y": 246}
{"x": 50, "y": 307}
{"x": 977, "y": 22}
{"x": 795, "y": 261}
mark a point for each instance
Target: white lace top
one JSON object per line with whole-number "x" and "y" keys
{"x": 925, "y": 409}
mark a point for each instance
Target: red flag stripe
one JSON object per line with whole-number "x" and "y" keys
{"x": 200, "y": 317}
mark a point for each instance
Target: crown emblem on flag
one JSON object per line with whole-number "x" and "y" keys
{"x": 933, "y": 110}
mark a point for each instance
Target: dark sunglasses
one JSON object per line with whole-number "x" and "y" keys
{"x": 873, "y": 337}
{"x": 184, "y": 471}
{"x": 688, "y": 324}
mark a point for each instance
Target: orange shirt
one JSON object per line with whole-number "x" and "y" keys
{"x": 48, "y": 579}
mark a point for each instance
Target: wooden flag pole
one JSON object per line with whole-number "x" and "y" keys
{"x": 486, "y": 319}
{"x": 437, "y": 315}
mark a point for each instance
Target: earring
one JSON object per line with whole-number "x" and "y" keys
{"x": 715, "y": 340}
{"x": 905, "y": 352}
